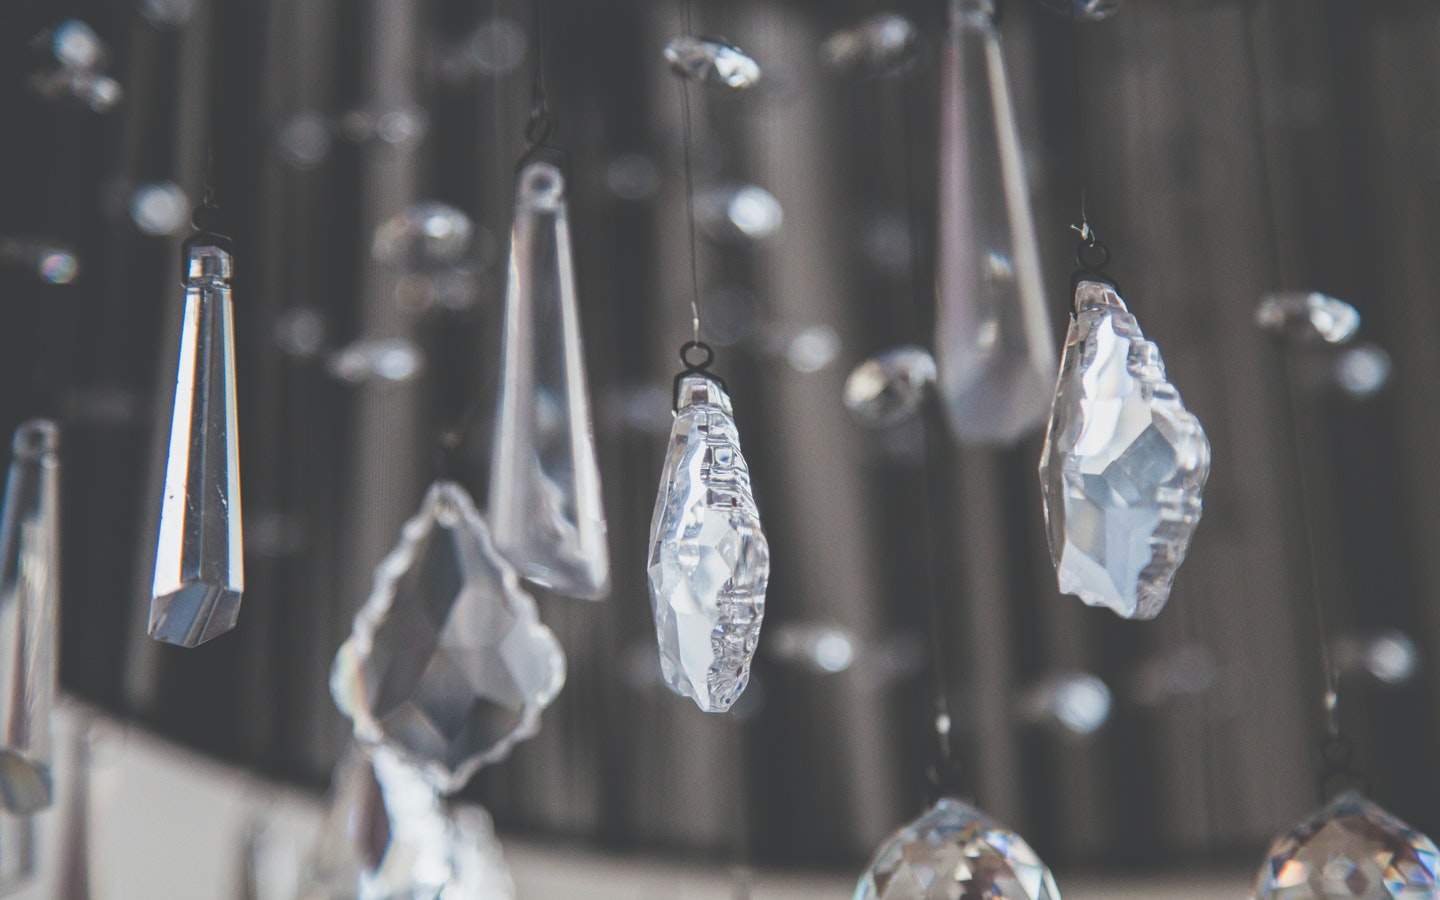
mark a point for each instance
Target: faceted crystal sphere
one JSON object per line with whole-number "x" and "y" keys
{"x": 882, "y": 44}
{"x": 1351, "y": 849}
{"x": 1084, "y": 10}
{"x": 709, "y": 560}
{"x": 1123, "y": 466}
{"x": 712, "y": 62}
{"x": 1308, "y": 318}
{"x": 448, "y": 664}
{"x": 889, "y": 388}
{"x": 425, "y": 235}
{"x": 954, "y": 852}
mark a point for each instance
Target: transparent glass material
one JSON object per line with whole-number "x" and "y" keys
{"x": 712, "y": 62}
{"x": 993, "y": 343}
{"x": 954, "y": 852}
{"x": 546, "y": 511}
{"x": 199, "y": 556}
{"x": 29, "y": 603}
{"x": 1123, "y": 466}
{"x": 1307, "y": 317}
{"x": 882, "y": 44}
{"x": 889, "y": 388}
{"x": 448, "y": 665}
{"x": 709, "y": 560}
{"x": 1350, "y": 849}
{"x": 17, "y": 851}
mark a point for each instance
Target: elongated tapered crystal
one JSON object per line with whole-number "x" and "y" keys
{"x": 29, "y": 597}
{"x": 709, "y": 560}
{"x": 993, "y": 343}
{"x": 546, "y": 513}
{"x": 198, "y": 558}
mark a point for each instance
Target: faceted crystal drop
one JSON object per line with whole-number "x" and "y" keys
{"x": 545, "y": 508}
{"x": 993, "y": 342}
{"x": 1351, "y": 849}
{"x": 712, "y": 62}
{"x": 709, "y": 560}
{"x": 889, "y": 388}
{"x": 1123, "y": 466}
{"x": 882, "y": 44}
{"x": 1308, "y": 318}
{"x": 199, "y": 558}
{"x": 29, "y": 598}
{"x": 954, "y": 852}
{"x": 448, "y": 665}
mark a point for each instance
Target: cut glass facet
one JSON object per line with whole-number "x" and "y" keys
{"x": 29, "y": 600}
{"x": 954, "y": 852}
{"x": 1351, "y": 849}
{"x": 448, "y": 664}
{"x": 711, "y": 62}
{"x": 709, "y": 559}
{"x": 993, "y": 343}
{"x": 889, "y": 388}
{"x": 1123, "y": 466}
{"x": 1308, "y": 317}
{"x": 199, "y": 558}
{"x": 546, "y": 512}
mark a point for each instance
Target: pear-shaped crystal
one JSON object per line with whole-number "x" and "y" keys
{"x": 29, "y": 599}
{"x": 889, "y": 388}
{"x": 954, "y": 852}
{"x": 1123, "y": 466}
{"x": 448, "y": 664}
{"x": 709, "y": 559}
{"x": 1308, "y": 317}
{"x": 199, "y": 556}
{"x": 1351, "y": 849}
{"x": 545, "y": 508}
{"x": 993, "y": 344}
{"x": 711, "y": 62}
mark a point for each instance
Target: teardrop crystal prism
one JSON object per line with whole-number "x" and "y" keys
{"x": 199, "y": 557}
{"x": 993, "y": 343}
{"x": 955, "y": 852}
{"x": 448, "y": 664}
{"x": 709, "y": 559}
{"x": 1351, "y": 849}
{"x": 712, "y": 62}
{"x": 1123, "y": 466}
{"x": 29, "y": 602}
{"x": 545, "y": 510}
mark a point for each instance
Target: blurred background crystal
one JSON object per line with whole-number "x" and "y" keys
{"x": 728, "y": 314}
{"x": 75, "y": 44}
{"x": 300, "y": 332}
{"x": 1078, "y": 703}
{"x": 1186, "y": 671}
{"x": 711, "y": 62}
{"x": 738, "y": 213}
{"x": 1362, "y": 370}
{"x": 53, "y": 264}
{"x": 882, "y": 44}
{"x": 387, "y": 359}
{"x": 1389, "y": 656}
{"x": 1307, "y": 317}
{"x": 805, "y": 348}
{"x": 820, "y": 648}
{"x": 424, "y": 235}
{"x": 304, "y": 140}
{"x": 1083, "y": 10}
{"x": 167, "y": 13}
{"x": 889, "y": 388}
{"x": 159, "y": 208}
{"x": 497, "y": 46}
{"x": 632, "y": 176}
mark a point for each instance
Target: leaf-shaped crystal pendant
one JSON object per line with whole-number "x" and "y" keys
{"x": 545, "y": 509}
{"x": 709, "y": 560}
{"x": 993, "y": 343}
{"x": 199, "y": 560}
{"x": 1351, "y": 849}
{"x": 448, "y": 664}
{"x": 954, "y": 852}
{"x": 1123, "y": 466}
{"x": 29, "y": 598}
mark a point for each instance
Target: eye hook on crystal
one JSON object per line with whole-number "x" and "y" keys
{"x": 1092, "y": 255}
{"x": 702, "y": 368}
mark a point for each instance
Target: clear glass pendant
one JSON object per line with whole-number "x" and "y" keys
{"x": 709, "y": 559}
{"x": 955, "y": 852}
{"x": 712, "y": 62}
{"x": 1123, "y": 466}
{"x": 993, "y": 342}
{"x": 1351, "y": 849}
{"x": 448, "y": 664}
{"x": 29, "y": 601}
{"x": 199, "y": 558}
{"x": 545, "y": 507}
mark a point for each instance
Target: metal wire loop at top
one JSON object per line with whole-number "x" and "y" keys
{"x": 1092, "y": 256}
{"x": 700, "y": 367}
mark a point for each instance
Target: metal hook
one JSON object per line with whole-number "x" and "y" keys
{"x": 700, "y": 367}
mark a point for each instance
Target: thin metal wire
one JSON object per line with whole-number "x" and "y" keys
{"x": 542, "y": 123}
{"x": 688, "y": 137}
{"x": 1081, "y": 132}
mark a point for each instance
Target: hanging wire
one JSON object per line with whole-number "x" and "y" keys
{"x": 688, "y": 139}
{"x": 542, "y": 123}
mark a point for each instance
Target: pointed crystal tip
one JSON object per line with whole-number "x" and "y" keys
{"x": 194, "y": 614}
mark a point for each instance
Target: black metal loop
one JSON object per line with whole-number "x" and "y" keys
{"x": 1092, "y": 256}
{"x": 702, "y": 368}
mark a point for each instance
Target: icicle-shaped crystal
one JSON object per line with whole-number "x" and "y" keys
{"x": 545, "y": 509}
{"x": 448, "y": 665}
{"x": 198, "y": 559}
{"x": 29, "y": 597}
{"x": 709, "y": 559}
{"x": 993, "y": 343}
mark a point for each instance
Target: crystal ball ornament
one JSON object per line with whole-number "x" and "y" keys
{"x": 709, "y": 560}
{"x": 712, "y": 62}
{"x": 955, "y": 852}
{"x": 448, "y": 664}
{"x": 1123, "y": 465}
{"x": 1350, "y": 849}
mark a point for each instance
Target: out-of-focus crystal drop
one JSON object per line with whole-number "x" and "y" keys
{"x": 199, "y": 557}
{"x": 954, "y": 852}
{"x": 882, "y": 44}
{"x": 29, "y": 599}
{"x": 1308, "y": 317}
{"x": 889, "y": 388}
{"x": 448, "y": 664}
{"x": 1084, "y": 10}
{"x": 1351, "y": 849}
{"x": 709, "y": 559}
{"x": 711, "y": 62}
{"x": 993, "y": 343}
{"x": 427, "y": 235}
{"x": 1123, "y": 466}
{"x": 545, "y": 507}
